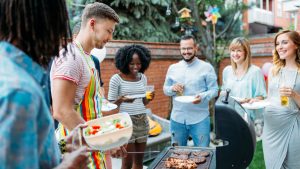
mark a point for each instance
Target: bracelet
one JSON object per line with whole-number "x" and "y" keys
{"x": 62, "y": 146}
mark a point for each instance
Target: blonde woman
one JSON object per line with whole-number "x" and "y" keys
{"x": 282, "y": 119}
{"x": 245, "y": 80}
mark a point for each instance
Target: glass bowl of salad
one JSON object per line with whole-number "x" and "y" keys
{"x": 108, "y": 132}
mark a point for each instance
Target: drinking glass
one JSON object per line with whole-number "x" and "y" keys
{"x": 284, "y": 100}
{"x": 149, "y": 90}
{"x": 180, "y": 93}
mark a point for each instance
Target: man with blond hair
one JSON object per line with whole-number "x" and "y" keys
{"x": 75, "y": 85}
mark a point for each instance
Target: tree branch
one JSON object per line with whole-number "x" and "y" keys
{"x": 204, "y": 33}
{"x": 232, "y": 20}
{"x": 174, "y": 7}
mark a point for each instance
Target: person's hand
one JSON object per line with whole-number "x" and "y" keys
{"x": 252, "y": 100}
{"x": 178, "y": 88}
{"x": 245, "y": 100}
{"x": 197, "y": 99}
{"x": 287, "y": 91}
{"x": 119, "y": 152}
{"x": 152, "y": 95}
{"x": 76, "y": 159}
{"x": 75, "y": 139}
{"x": 126, "y": 99}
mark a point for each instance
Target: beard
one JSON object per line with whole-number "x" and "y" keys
{"x": 190, "y": 59}
{"x": 99, "y": 46}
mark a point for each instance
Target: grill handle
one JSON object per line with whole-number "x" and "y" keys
{"x": 225, "y": 101}
{"x": 174, "y": 144}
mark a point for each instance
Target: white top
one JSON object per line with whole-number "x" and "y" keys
{"x": 250, "y": 85}
{"x": 119, "y": 87}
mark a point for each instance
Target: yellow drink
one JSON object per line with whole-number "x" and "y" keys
{"x": 179, "y": 93}
{"x": 284, "y": 100}
{"x": 148, "y": 95}
{"x": 149, "y": 90}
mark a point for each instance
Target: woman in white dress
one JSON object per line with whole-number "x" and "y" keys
{"x": 281, "y": 134}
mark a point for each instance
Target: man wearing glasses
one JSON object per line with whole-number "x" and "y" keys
{"x": 190, "y": 77}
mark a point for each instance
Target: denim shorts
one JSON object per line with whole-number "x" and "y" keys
{"x": 199, "y": 133}
{"x": 140, "y": 128}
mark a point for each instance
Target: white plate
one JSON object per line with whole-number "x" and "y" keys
{"x": 136, "y": 96}
{"x": 185, "y": 99}
{"x": 108, "y": 106}
{"x": 237, "y": 98}
{"x": 256, "y": 105}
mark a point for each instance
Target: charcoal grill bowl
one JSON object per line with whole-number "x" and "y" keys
{"x": 238, "y": 130}
{"x": 238, "y": 134}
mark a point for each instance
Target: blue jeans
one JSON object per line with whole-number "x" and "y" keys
{"x": 199, "y": 133}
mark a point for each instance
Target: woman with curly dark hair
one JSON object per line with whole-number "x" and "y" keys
{"x": 132, "y": 61}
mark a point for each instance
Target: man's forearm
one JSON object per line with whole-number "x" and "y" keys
{"x": 69, "y": 119}
{"x": 63, "y": 96}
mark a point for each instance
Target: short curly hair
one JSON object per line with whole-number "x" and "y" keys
{"x": 124, "y": 57}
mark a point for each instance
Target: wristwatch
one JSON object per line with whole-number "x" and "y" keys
{"x": 62, "y": 146}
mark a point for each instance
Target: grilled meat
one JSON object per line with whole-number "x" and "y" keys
{"x": 201, "y": 153}
{"x": 185, "y": 152}
{"x": 179, "y": 156}
{"x": 176, "y": 163}
{"x": 198, "y": 160}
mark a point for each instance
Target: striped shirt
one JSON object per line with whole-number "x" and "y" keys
{"x": 119, "y": 87}
{"x": 72, "y": 66}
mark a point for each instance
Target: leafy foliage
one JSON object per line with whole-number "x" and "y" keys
{"x": 146, "y": 20}
{"x": 142, "y": 20}
{"x": 212, "y": 43}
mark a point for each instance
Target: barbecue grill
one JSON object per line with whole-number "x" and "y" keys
{"x": 234, "y": 127}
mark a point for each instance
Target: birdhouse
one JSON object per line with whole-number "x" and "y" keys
{"x": 185, "y": 13}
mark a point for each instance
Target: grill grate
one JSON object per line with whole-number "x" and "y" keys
{"x": 171, "y": 150}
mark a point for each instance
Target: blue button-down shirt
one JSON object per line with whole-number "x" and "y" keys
{"x": 198, "y": 78}
{"x": 27, "y": 137}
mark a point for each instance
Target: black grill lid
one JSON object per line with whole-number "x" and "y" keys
{"x": 232, "y": 124}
